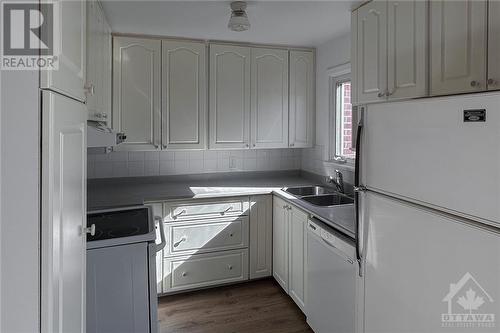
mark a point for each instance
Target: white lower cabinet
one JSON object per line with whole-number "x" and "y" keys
{"x": 202, "y": 270}
{"x": 210, "y": 242}
{"x": 289, "y": 250}
{"x": 261, "y": 236}
{"x": 297, "y": 256}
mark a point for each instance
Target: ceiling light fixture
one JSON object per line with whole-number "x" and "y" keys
{"x": 239, "y": 19}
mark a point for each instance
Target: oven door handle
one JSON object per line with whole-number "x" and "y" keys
{"x": 160, "y": 246}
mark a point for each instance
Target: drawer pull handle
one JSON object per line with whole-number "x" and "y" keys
{"x": 184, "y": 274}
{"x": 227, "y": 210}
{"x": 183, "y": 239}
{"x": 229, "y": 267}
{"x": 179, "y": 214}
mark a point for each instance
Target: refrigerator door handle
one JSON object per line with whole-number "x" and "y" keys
{"x": 358, "y": 188}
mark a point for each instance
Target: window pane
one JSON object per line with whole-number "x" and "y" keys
{"x": 344, "y": 133}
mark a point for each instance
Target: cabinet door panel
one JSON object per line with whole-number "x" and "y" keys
{"x": 297, "y": 254}
{"x": 269, "y": 98}
{"x": 494, "y": 45}
{"x": 302, "y": 76}
{"x": 280, "y": 243}
{"x": 458, "y": 46}
{"x": 372, "y": 52}
{"x": 407, "y": 48}
{"x": 63, "y": 214}
{"x": 229, "y": 96}
{"x": 69, "y": 79}
{"x": 136, "y": 106}
{"x": 261, "y": 230}
{"x": 184, "y": 94}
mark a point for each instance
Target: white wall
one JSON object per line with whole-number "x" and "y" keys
{"x": 335, "y": 52}
{"x": 19, "y": 204}
{"x": 137, "y": 164}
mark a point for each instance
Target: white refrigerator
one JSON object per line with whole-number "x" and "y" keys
{"x": 428, "y": 215}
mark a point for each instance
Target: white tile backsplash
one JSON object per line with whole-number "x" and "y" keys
{"x": 136, "y": 164}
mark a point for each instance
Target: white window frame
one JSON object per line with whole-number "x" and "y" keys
{"x": 336, "y": 75}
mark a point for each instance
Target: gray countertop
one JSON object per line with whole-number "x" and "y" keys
{"x": 106, "y": 193}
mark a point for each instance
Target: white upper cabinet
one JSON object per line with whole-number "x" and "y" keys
{"x": 494, "y": 45}
{"x": 184, "y": 98}
{"x": 371, "y": 52}
{"x": 98, "y": 78}
{"x": 136, "y": 92}
{"x": 229, "y": 96}
{"x": 69, "y": 79}
{"x": 458, "y": 46}
{"x": 407, "y": 48}
{"x": 269, "y": 98}
{"x": 301, "y": 127}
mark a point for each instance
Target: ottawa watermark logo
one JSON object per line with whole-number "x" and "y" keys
{"x": 468, "y": 305}
{"x": 29, "y": 35}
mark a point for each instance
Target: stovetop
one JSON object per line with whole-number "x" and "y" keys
{"x": 119, "y": 223}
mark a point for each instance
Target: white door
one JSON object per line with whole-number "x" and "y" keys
{"x": 494, "y": 45}
{"x": 269, "y": 98}
{"x": 261, "y": 239}
{"x": 421, "y": 267}
{"x": 301, "y": 127}
{"x": 184, "y": 97}
{"x": 136, "y": 92}
{"x": 280, "y": 242}
{"x": 297, "y": 256}
{"x": 458, "y": 46}
{"x": 407, "y": 49}
{"x": 372, "y": 52}
{"x": 64, "y": 184}
{"x": 465, "y": 174}
{"x": 69, "y": 79}
{"x": 229, "y": 96}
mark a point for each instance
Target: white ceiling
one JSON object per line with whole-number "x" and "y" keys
{"x": 299, "y": 23}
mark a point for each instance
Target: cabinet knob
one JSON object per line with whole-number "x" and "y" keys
{"x": 247, "y": 145}
{"x": 381, "y": 94}
{"x": 90, "y": 230}
{"x": 474, "y": 83}
{"x": 89, "y": 89}
{"x": 184, "y": 274}
{"x": 388, "y": 93}
{"x": 292, "y": 144}
{"x": 492, "y": 82}
{"x": 229, "y": 267}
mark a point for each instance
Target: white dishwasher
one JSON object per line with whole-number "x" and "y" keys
{"x": 331, "y": 279}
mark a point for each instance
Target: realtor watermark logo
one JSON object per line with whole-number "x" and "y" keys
{"x": 468, "y": 305}
{"x": 29, "y": 35}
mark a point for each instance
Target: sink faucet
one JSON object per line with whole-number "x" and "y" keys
{"x": 338, "y": 181}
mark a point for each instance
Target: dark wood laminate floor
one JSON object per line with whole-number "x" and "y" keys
{"x": 252, "y": 307}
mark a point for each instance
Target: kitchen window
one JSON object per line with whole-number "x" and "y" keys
{"x": 342, "y": 146}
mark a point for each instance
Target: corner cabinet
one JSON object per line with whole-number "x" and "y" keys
{"x": 184, "y": 98}
{"x": 301, "y": 105}
{"x": 98, "y": 78}
{"x": 458, "y": 46}
{"x": 69, "y": 79}
{"x": 229, "y": 96}
{"x": 269, "y": 98}
{"x": 390, "y": 55}
{"x": 289, "y": 250}
{"x": 136, "y": 92}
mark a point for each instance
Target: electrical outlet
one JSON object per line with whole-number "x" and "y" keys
{"x": 232, "y": 162}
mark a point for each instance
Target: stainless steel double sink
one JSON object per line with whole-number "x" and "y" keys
{"x": 319, "y": 195}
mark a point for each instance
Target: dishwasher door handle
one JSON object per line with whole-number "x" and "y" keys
{"x": 338, "y": 251}
{"x": 160, "y": 246}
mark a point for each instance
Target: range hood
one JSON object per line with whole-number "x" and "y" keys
{"x": 101, "y": 136}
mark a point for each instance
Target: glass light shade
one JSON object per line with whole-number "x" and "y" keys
{"x": 239, "y": 21}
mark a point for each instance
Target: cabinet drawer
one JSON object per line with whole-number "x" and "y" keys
{"x": 206, "y": 236}
{"x": 201, "y": 270}
{"x": 200, "y": 209}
